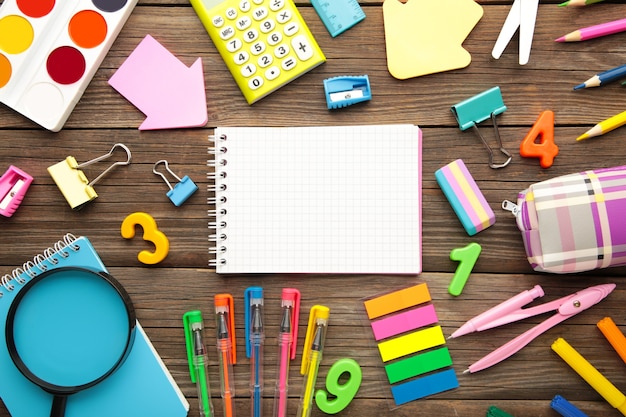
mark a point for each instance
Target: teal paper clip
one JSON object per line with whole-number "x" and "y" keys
{"x": 565, "y": 408}
{"x": 345, "y": 91}
{"x": 181, "y": 191}
{"x": 469, "y": 113}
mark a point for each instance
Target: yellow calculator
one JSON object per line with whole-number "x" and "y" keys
{"x": 264, "y": 43}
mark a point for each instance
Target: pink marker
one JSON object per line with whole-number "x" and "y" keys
{"x": 565, "y": 307}
{"x": 287, "y": 340}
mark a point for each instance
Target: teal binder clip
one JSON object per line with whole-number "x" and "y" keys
{"x": 474, "y": 110}
{"x": 181, "y": 191}
{"x": 344, "y": 91}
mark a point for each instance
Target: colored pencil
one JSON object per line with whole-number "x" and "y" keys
{"x": 595, "y": 31}
{"x": 604, "y": 77}
{"x": 605, "y": 126}
{"x": 579, "y": 2}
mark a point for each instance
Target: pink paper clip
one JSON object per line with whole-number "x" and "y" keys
{"x": 13, "y": 185}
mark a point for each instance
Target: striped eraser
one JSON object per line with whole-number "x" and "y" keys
{"x": 466, "y": 199}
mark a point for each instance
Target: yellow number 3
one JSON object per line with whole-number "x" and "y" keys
{"x": 151, "y": 233}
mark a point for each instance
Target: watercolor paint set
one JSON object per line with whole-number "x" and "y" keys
{"x": 50, "y": 51}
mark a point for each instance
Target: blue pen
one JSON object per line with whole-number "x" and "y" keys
{"x": 565, "y": 408}
{"x": 255, "y": 337}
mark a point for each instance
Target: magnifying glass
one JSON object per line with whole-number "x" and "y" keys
{"x": 68, "y": 329}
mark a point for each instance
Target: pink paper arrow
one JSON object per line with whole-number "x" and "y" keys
{"x": 162, "y": 87}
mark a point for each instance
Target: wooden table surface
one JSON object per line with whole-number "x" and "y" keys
{"x": 522, "y": 385}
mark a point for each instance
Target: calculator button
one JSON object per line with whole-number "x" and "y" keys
{"x": 248, "y": 70}
{"x": 227, "y": 32}
{"x": 244, "y": 6}
{"x": 257, "y": 48}
{"x": 255, "y": 82}
{"x": 258, "y": 1}
{"x": 234, "y": 45}
{"x": 265, "y": 60}
{"x": 284, "y": 16}
{"x": 288, "y": 63}
{"x": 276, "y": 5}
{"x": 251, "y": 35}
{"x": 267, "y": 25}
{"x": 260, "y": 13}
{"x": 281, "y": 50}
{"x": 302, "y": 46}
{"x": 272, "y": 73}
{"x": 291, "y": 29}
{"x": 218, "y": 21}
{"x": 231, "y": 13}
{"x": 241, "y": 58}
{"x": 244, "y": 23}
{"x": 274, "y": 38}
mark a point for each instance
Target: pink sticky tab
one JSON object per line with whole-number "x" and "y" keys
{"x": 403, "y": 322}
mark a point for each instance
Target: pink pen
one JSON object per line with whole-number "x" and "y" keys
{"x": 566, "y": 307}
{"x": 287, "y": 343}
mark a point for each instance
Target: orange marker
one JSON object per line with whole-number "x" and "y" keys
{"x": 614, "y": 335}
{"x": 545, "y": 149}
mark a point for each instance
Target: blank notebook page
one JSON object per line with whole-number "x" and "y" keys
{"x": 317, "y": 200}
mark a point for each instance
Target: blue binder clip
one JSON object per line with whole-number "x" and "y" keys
{"x": 345, "y": 91}
{"x": 469, "y": 113}
{"x": 181, "y": 191}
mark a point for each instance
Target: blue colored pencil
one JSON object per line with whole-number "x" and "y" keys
{"x": 603, "y": 78}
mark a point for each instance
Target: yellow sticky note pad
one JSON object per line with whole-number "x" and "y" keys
{"x": 411, "y": 343}
{"x": 426, "y": 36}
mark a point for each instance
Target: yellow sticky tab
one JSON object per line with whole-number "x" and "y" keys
{"x": 411, "y": 343}
{"x": 397, "y": 300}
{"x": 72, "y": 182}
{"x": 317, "y": 313}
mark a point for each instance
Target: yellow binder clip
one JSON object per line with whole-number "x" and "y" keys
{"x": 73, "y": 183}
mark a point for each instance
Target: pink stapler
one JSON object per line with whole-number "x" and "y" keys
{"x": 511, "y": 310}
{"x": 13, "y": 185}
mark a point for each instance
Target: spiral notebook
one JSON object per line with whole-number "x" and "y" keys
{"x": 142, "y": 386}
{"x": 336, "y": 199}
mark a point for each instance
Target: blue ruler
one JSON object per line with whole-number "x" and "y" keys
{"x": 338, "y": 15}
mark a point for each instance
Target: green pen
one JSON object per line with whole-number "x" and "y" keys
{"x": 198, "y": 360}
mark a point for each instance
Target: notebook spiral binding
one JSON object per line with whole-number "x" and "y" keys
{"x": 37, "y": 265}
{"x": 217, "y": 221}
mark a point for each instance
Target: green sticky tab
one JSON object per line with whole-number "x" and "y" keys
{"x": 467, "y": 257}
{"x": 418, "y": 365}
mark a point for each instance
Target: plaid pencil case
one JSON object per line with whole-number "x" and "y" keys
{"x": 574, "y": 222}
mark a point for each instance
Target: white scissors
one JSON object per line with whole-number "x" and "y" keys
{"x": 523, "y": 14}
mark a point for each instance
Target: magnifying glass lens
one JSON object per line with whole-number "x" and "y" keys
{"x": 71, "y": 328}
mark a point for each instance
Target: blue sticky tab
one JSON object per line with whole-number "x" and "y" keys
{"x": 338, "y": 15}
{"x": 425, "y": 386}
{"x": 479, "y": 108}
{"x": 345, "y": 91}
{"x": 182, "y": 191}
{"x": 249, "y": 293}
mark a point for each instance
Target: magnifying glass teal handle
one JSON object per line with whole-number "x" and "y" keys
{"x": 58, "y": 406}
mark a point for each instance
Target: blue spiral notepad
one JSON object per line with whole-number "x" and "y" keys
{"x": 142, "y": 386}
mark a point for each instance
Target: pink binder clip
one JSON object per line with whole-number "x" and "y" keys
{"x": 13, "y": 185}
